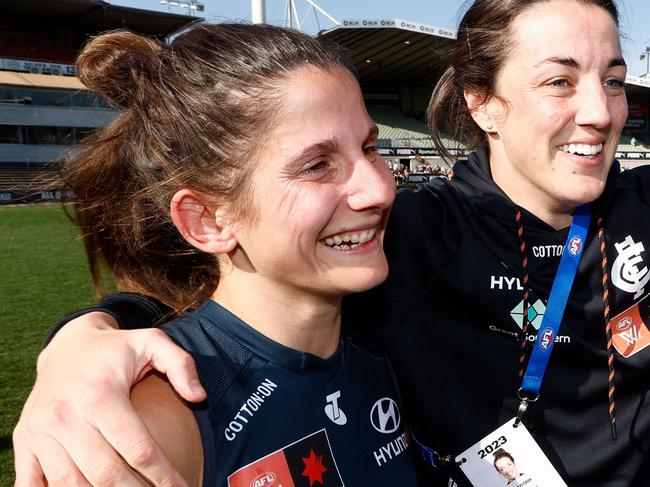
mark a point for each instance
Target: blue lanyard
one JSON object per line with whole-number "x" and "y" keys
{"x": 557, "y": 300}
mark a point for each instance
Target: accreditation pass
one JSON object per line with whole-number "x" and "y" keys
{"x": 509, "y": 456}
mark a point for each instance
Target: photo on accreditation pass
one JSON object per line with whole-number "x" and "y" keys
{"x": 509, "y": 456}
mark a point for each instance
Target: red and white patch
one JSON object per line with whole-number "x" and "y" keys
{"x": 630, "y": 333}
{"x": 308, "y": 461}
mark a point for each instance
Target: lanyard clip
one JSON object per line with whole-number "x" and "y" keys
{"x": 525, "y": 398}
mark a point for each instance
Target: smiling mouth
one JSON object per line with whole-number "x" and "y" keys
{"x": 587, "y": 150}
{"x": 349, "y": 240}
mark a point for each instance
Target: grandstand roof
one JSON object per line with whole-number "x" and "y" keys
{"x": 97, "y": 13}
{"x": 393, "y": 51}
{"x": 636, "y": 85}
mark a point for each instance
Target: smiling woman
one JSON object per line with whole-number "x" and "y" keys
{"x": 567, "y": 104}
{"x": 195, "y": 195}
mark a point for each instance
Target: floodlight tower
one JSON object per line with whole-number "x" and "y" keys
{"x": 258, "y": 11}
{"x": 291, "y": 17}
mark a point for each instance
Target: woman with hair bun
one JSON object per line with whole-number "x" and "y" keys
{"x": 216, "y": 190}
{"x": 517, "y": 291}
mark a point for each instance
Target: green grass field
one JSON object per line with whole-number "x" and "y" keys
{"x": 43, "y": 275}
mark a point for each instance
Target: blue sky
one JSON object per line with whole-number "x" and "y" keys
{"x": 635, "y": 16}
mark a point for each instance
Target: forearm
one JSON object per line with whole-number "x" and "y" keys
{"x": 78, "y": 426}
{"x": 127, "y": 311}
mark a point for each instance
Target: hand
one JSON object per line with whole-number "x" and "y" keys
{"x": 78, "y": 426}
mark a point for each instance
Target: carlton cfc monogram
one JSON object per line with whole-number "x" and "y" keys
{"x": 628, "y": 272}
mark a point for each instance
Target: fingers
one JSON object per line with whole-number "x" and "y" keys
{"x": 95, "y": 462}
{"x": 28, "y": 470}
{"x": 57, "y": 467}
{"x": 128, "y": 434}
{"x": 168, "y": 358}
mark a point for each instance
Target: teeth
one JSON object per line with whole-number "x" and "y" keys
{"x": 347, "y": 241}
{"x": 582, "y": 149}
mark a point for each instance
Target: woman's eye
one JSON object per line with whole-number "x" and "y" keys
{"x": 315, "y": 167}
{"x": 559, "y": 83}
{"x": 371, "y": 151}
{"x": 615, "y": 83}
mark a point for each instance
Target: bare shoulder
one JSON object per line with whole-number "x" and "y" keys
{"x": 172, "y": 425}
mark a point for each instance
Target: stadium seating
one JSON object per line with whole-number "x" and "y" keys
{"x": 35, "y": 42}
{"x": 27, "y": 180}
{"x": 625, "y": 144}
{"x": 399, "y": 130}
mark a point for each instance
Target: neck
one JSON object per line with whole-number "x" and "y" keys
{"x": 296, "y": 319}
{"x": 554, "y": 216}
{"x": 536, "y": 200}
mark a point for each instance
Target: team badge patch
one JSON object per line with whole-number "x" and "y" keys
{"x": 308, "y": 462}
{"x": 630, "y": 332}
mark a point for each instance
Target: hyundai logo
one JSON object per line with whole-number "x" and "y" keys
{"x": 384, "y": 415}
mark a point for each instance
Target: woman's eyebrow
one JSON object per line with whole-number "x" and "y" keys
{"x": 329, "y": 145}
{"x": 572, "y": 63}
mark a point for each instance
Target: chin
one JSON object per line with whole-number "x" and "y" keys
{"x": 585, "y": 189}
{"x": 366, "y": 279}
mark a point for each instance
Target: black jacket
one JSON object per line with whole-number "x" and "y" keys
{"x": 447, "y": 319}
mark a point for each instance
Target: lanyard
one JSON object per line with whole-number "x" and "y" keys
{"x": 532, "y": 381}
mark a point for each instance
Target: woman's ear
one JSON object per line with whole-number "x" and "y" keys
{"x": 201, "y": 223}
{"x": 481, "y": 110}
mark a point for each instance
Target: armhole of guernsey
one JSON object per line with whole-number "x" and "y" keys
{"x": 219, "y": 359}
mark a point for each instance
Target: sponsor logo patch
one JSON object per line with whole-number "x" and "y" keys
{"x": 384, "y": 415}
{"x": 630, "y": 332}
{"x": 308, "y": 461}
{"x": 333, "y": 411}
{"x": 536, "y": 312}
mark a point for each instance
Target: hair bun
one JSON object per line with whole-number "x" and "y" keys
{"x": 117, "y": 63}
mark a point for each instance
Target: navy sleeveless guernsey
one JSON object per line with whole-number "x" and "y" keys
{"x": 276, "y": 417}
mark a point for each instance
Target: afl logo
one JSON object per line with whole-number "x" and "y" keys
{"x": 546, "y": 338}
{"x": 575, "y": 245}
{"x": 624, "y": 323}
{"x": 384, "y": 415}
{"x": 263, "y": 480}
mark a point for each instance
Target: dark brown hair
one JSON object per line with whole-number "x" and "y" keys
{"x": 499, "y": 454}
{"x": 194, "y": 112}
{"x": 483, "y": 44}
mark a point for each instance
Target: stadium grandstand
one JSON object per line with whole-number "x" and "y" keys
{"x": 45, "y": 110}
